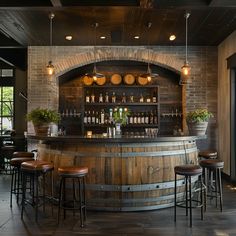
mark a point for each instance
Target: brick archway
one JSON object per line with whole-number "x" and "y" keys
{"x": 165, "y": 60}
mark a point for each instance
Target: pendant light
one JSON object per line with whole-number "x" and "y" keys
{"x": 185, "y": 69}
{"x": 94, "y": 74}
{"x": 50, "y": 67}
{"x": 149, "y": 75}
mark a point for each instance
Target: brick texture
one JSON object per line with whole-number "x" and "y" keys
{"x": 43, "y": 90}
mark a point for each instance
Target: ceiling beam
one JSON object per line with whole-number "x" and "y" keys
{"x": 56, "y": 3}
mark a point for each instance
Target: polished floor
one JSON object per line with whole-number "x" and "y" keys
{"x": 158, "y": 222}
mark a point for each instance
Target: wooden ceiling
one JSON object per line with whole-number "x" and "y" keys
{"x": 26, "y": 22}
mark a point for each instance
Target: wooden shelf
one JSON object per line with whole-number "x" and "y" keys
{"x": 122, "y": 104}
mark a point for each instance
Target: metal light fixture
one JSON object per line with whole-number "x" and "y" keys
{"x": 149, "y": 75}
{"x": 50, "y": 68}
{"x": 94, "y": 74}
{"x": 185, "y": 69}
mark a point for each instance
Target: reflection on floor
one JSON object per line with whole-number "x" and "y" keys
{"x": 157, "y": 222}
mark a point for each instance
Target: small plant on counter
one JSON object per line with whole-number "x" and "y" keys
{"x": 199, "y": 115}
{"x": 120, "y": 115}
{"x": 40, "y": 116}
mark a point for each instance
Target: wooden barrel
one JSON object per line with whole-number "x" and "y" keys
{"x": 87, "y": 80}
{"x": 142, "y": 80}
{"x": 101, "y": 80}
{"x": 127, "y": 176}
{"x": 129, "y": 79}
{"x": 116, "y": 79}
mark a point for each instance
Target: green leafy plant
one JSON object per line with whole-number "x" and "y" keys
{"x": 41, "y": 116}
{"x": 120, "y": 115}
{"x": 199, "y": 115}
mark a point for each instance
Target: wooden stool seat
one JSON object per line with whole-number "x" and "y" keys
{"x": 37, "y": 165}
{"x": 189, "y": 170}
{"x": 72, "y": 171}
{"x": 208, "y": 154}
{"x": 23, "y": 154}
{"x": 16, "y": 162}
{"x": 212, "y": 163}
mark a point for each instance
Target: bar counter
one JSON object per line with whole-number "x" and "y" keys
{"x": 125, "y": 173}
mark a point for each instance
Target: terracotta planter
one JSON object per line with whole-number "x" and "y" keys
{"x": 41, "y": 130}
{"x": 197, "y": 128}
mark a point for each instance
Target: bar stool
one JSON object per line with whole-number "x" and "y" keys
{"x": 16, "y": 180}
{"x": 207, "y": 154}
{"x": 6, "y": 155}
{"x": 74, "y": 173}
{"x": 33, "y": 170}
{"x": 212, "y": 179}
{"x": 188, "y": 171}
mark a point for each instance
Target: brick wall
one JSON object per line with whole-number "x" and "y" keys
{"x": 202, "y": 92}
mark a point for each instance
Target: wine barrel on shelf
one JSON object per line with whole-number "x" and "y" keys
{"x": 101, "y": 80}
{"x": 126, "y": 176}
{"x": 116, "y": 79}
{"x": 142, "y": 80}
{"x": 129, "y": 79}
{"x": 87, "y": 80}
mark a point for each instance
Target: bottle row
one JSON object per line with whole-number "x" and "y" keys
{"x": 102, "y": 117}
{"x": 70, "y": 113}
{"x": 116, "y": 98}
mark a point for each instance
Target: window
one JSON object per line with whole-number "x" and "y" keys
{"x": 6, "y": 109}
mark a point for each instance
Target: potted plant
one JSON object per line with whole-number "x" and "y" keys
{"x": 120, "y": 117}
{"x": 198, "y": 120}
{"x": 41, "y": 119}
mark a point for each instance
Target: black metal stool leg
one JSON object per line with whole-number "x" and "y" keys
{"x": 220, "y": 189}
{"x": 84, "y": 199}
{"x": 175, "y": 197}
{"x": 190, "y": 200}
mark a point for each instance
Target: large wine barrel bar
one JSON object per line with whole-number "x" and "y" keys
{"x": 125, "y": 174}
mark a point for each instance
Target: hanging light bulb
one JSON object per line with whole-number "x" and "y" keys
{"x": 50, "y": 68}
{"x": 149, "y": 75}
{"x": 185, "y": 69}
{"x": 94, "y": 74}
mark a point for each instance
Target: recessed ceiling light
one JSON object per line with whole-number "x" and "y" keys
{"x": 68, "y": 37}
{"x": 136, "y": 37}
{"x": 102, "y": 37}
{"x": 172, "y": 37}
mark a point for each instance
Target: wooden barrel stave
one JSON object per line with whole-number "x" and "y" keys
{"x": 126, "y": 177}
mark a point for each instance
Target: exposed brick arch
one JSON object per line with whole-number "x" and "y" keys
{"x": 165, "y": 60}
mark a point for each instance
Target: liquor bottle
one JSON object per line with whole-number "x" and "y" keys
{"x": 135, "y": 119}
{"x": 97, "y": 118}
{"x": 106, "y": 97}
{"x": 93, "y": 118}
{"x": 131, "y": 98}
{"x": 142, "y": 118}
{"x": 123, "y": 100}
{"x": 146, "y": 118}
{"x": 87, "y": 98}
{"x": 138, "y": 118}
{"x": 110, "y": 115}
{"x": 102, "y": 117}
{"x": 154, "y": 97}
{"x": 113, "y": 98}
{"x": 131, "y": 118}
{"x": 151, "y": 118}
{"x": 89, "y": 118}
{"x": 92, "y": 97}
{"x": 141, "y": 99}
{"x": 155, "y": 120}
{"x": 85, "y": 117}
{"x": 100, "y": 98}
